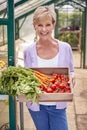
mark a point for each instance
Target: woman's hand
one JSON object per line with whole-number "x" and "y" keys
{"x": 72, "y": 79}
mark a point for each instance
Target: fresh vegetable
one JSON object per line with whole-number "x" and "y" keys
{"x": 55, "y": 83}
{"x": 45, "y": 80}
{"x": 49, "y": 90}
{"x": 19, "y": 80}
{"x": 53, "y": 86}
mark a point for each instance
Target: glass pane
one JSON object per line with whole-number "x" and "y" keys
{"x": 3, "y": 8}
{"x": 26, "y": 37}
{"x": 3, "y": 46}
{"x": 4, "y": 112}
{"x": 26, "y": 29}
{"x": 4, "y": 107}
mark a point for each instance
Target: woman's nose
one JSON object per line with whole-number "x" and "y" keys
{"x": 44, "y": 28}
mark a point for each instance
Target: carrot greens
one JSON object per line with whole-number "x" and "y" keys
{"x": 19, "y": 80}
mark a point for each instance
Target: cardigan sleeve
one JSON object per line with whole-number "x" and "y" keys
{"x": 71, "y": 60}
{"x": 27, "y": 58}
{"x": 65, "y": 56}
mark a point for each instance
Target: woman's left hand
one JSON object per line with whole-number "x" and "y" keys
{"x": 72, "y": 78}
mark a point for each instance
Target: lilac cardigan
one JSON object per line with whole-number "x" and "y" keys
{"x": 65, "y": 60}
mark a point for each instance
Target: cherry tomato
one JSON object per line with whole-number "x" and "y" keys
{"x": 42, "y": 88}
{"x": 57, "y": 84}
{"x": 61, "y": 86}
{"x": 55, "y": 76}
{"x": 53, "y": 86}
{"x": 67, "y": 88}
{"x": 49, "y": 90}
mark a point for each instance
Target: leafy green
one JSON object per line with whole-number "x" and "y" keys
{"x": 19, "y": 80}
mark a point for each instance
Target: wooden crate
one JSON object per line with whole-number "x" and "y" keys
{"x": 52, "y": 97}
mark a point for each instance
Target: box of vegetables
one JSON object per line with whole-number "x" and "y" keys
{"x": 36, "y": 84}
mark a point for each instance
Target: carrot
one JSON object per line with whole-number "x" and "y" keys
{"x": 42, "y": 77}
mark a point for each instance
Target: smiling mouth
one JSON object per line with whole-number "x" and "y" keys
{"x": 44, "y": 34}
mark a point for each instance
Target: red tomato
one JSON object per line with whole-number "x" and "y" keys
{"x": 61, "y": 86}
{"x": 57, "y": 84}
{"x": 42, "y": 88}
{"x": 55, "y": 76}
{"x": 49, "y": 90}
{"x": 67, "y": 88}
{"x": 53, "y": 86}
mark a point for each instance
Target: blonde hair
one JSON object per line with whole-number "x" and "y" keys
{"x": 44, "y": 11}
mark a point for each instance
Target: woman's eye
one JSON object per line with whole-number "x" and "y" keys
{"x": 39, "y": 25}
{"x": 48, "y": 25}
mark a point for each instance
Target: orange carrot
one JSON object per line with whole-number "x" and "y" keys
{"x": 41, "y": 74}
{"x": 42, "y": 77}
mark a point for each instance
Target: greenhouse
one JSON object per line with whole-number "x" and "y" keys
{"x": 17, "y": 33}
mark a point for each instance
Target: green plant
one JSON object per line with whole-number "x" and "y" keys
{"x": 70, "y": 37}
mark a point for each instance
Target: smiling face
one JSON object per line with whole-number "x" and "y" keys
{"x": 44, "y": 22}
{"x": 44, "y": 27}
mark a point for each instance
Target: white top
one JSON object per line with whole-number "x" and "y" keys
{"x": 48, "y": 63}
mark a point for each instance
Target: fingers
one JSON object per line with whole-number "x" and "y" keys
{"x": 72, "y": 79}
